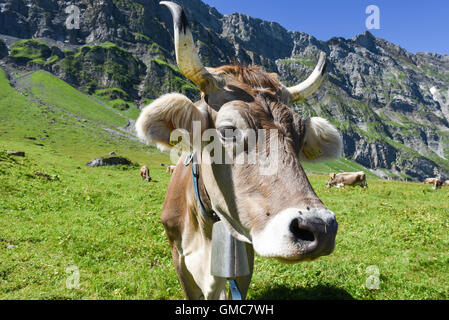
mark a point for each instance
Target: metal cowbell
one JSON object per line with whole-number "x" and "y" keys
{"x": 229, "y": 258}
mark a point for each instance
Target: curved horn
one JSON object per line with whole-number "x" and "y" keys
{"x": 186, "y": 56}
{"x": 312, "y": 83}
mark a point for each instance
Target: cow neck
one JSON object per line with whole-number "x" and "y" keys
{"x": 209, "y": 215}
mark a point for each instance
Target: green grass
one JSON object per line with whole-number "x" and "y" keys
{"x": 56, "y": 92}
{"x": 340, "y": 165}
{"x": 131, "y": 112}
{"x": 30, "y": 50}
{"x": 106, "y": 222}
{"x": 112, "y": 93}
{"x": 308, "y": 62}
{"x": 399, "y": 227}
{"x": 61, "y": 133}
{"x": 58, "y": 223}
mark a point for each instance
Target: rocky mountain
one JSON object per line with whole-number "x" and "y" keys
{"x": 392, "y": 106}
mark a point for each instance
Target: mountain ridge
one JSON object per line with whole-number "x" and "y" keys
{"x": 392, "y": 106}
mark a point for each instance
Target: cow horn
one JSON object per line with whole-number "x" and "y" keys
{"x": 186, "y": 56}
{"x": 312, "y": 83}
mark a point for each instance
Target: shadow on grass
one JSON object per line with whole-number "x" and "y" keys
{"x": 321, "y": 292}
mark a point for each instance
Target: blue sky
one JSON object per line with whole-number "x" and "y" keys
{"x": 415, "y": 25}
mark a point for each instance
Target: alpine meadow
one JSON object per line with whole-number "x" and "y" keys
{"x": 69, "y": 230}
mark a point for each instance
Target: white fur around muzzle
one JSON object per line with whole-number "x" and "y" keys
{"x": 277, "y": 241}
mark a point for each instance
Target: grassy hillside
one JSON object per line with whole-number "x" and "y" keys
{"x": 57, "y": 93}
{"x": 340, "y": 165}
{"x": 106, "y": 221}
{"x": 65, "y": 121}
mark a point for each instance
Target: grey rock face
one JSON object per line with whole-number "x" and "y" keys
{"x": 3, "y": 50}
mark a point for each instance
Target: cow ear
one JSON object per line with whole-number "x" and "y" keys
{"x": 322, "y": 141}
{"x": 166, "y": 114}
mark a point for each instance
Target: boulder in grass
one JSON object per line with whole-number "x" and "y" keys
{"x": 16, "y": 153}
{"x": 42, "y": 175}
{"x": 109, "y": 161}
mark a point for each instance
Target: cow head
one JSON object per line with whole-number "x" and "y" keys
{"x": 279, "y": 213}
{"x": 437, "y": 183}
{"x": 330, "y": 183}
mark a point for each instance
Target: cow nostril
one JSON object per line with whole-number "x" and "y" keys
{"x": 300, "y": 233}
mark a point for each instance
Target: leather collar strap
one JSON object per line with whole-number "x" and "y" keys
{"x": 195, "y": 178}
{"x": 235, "y": 291}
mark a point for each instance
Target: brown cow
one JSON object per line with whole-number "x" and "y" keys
{"x": 347, "y": 178}
{"x": 437, "y": 182}
{"x": 430, "y": 180}
{"x": 170, "y": 169}
{"x": 145, "y": 173}
{"x": 275, "y": 211}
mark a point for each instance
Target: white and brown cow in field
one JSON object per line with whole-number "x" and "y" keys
{"x": 170, "y": 168}
{"x": 343, "y": 179}
{"x": 436, "y": 182}
{"x": 145, "y": 173}
{"x": 446, "y": 183}
{"x": 277, "y": 215}
{"x": 430, "y": 180}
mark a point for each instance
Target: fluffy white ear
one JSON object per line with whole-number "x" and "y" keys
{"x": 322, "y": 141}
{"x": 165, "y": 114}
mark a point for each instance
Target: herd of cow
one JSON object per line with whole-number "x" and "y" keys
{"x": 145, "y": 172}
{"x": 339, "y": 180}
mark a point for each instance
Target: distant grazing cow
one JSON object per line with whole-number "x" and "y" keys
{"x": 145, "y": 173}
{"x": 435, "y": 181}
{"x": 429, "y": 180}
{"x": 170, "y": 169}
{"x": 347, "y": 178}
{"x": 438, "y": 183}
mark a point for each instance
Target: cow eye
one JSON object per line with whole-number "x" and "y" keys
{"x": 229, "y": 133}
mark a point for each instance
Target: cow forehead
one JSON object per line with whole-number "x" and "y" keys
{"x": 234, "y": 82}
{"x": 232, "y": 114}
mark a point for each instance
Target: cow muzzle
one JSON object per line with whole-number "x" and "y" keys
{"x": 296, "y": 235}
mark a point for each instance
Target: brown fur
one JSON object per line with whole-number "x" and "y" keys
{"x": 347, "y": 178}
{"x": 430, "y": 180}
{"x": 239, "y": 194}
{"x": 262, "y": 198}
{"x": 437, "y": 182}
{"x": 253, "y": 77}
{"x": 145, "y": 173}
{"x": 170, "y": 169}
